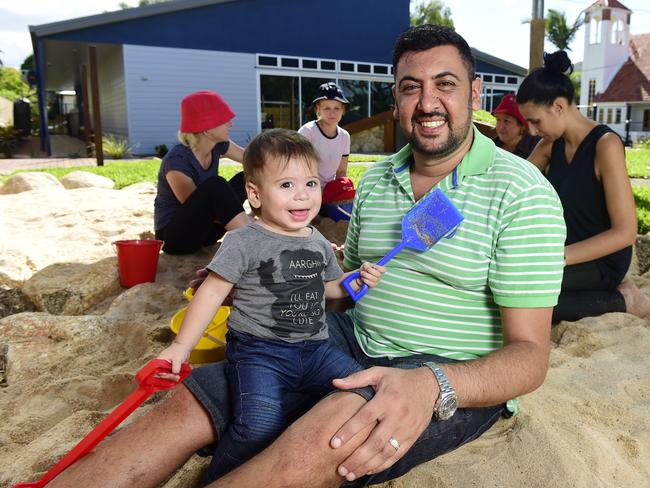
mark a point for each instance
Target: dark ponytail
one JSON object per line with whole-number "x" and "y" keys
{"x": 549, "y": 82}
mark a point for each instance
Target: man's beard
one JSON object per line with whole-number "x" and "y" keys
{"x": 453, "y": 142}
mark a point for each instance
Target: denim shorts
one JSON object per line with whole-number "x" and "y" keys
{"x": 209, "y": 385}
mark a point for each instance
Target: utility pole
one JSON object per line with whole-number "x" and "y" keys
{"x": 537, "y": 30}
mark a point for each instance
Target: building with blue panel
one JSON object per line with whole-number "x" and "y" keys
{"x": 265, "y": 57}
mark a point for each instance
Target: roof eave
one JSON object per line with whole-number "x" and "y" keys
{"x": 499, "y": 62}
{"x": 90, "y": 21}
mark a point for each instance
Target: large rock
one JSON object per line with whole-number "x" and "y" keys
{"x": 29, "y": 181}
{"x": 14, "y": 301}
{"x": 643, "y": 253}
{"x": 86, "y": 179}
{"x": 73, "y": 288}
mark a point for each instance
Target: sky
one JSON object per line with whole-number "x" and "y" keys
{"x": 492, "y": 26}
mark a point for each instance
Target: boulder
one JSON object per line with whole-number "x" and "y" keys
{"x": 73, "y": 288}
{"x": 86, "y": 179}
{"x": 29, "y": 181}
{"x": 14, "y": 301}
{"x": 643, "y": 253}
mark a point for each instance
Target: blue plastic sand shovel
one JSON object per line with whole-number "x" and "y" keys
{"x": 426, "y": 223}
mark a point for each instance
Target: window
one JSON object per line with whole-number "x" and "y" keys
{"x": 290, "y": 63}
{"x": 328, "y": 65}
{"x": 356, "y": 91}
{"x": 512, "y": 80}
{"x": 347, "y": 66}
{"x": 487, "y": 78}
{"x": 267, "y": 61}
{"x": 363, "y": 68}
{"x": 310, "y": 64}
{"x": 617, "y": 120}
{"x": 381, "y": 70}
{"x": 381, "y": 97}
{"x": 594, "y": 31}
{"x": 646, "y": 120}
{"x": 279, "y": 100}
{"x": 610, "y": 112}
{"x": 601, "y": 113}
{"x": 617, "y": 31}
{"x": 590, "y": 97}
{"x": 499, "y": 79}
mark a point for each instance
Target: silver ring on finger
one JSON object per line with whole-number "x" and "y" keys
{"x": 394, "y": 444}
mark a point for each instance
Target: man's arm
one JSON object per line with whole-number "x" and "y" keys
{"x": 404, "y": 399}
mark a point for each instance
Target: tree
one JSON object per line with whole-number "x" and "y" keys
{"x": 28, "y": 63}
{"x": 12, "y": 85}
{"x": 558, "y": 32}
{"x": 432, "y": 12}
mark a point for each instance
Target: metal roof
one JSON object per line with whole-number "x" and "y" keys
{"x": 44, "y": 30}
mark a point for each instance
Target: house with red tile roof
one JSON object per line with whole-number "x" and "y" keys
{"x": 615, "y": 88}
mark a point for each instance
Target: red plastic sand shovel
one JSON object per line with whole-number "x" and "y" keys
{"x": 149, "y": 383}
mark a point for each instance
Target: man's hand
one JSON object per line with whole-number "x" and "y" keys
{"x": 401, "y": 408}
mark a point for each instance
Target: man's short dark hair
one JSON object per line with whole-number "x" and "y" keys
{"x": 426, "y": 36}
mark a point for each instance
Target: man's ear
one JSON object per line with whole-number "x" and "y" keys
{"x": 476, "y": 93}
{"x": 395, "y": 109}
{"x": 253, "y": 194}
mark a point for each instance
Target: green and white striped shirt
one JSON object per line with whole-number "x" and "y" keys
{"x": 507, "y": 252}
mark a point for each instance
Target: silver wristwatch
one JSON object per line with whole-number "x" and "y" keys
{"x": 447, "y": 401}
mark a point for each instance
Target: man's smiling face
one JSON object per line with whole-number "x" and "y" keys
{"x": 434, "y": 99}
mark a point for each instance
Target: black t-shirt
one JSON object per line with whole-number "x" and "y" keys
{"x": 181, "y": 158}
{"x": 583, "y": 199}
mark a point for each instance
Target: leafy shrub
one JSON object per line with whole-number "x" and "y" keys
{"x": 484, "y": 116}
{"x": 116, "y": 147}
{"x": 9, "y": 138}
{"x": 642, "y": 199}
{"x": 642, "y": 142}
{"x": 161, "y": 150}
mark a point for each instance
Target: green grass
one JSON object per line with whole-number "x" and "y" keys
{"x": 125, "y": 173}
{"x": 642, "y": 199}
{"x": 638, "y": 162}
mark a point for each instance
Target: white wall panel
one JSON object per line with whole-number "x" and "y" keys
{"x": 157, "y": 78}
{"x": 112, "y": 95}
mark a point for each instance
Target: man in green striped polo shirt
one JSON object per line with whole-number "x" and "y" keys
{"x": 475, "y": 309}
{"x": 450, "y": 334}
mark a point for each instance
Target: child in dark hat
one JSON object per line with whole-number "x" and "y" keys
{"x": 332, "y": 143}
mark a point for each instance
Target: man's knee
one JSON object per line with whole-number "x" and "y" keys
{"x": 306, "y": 443}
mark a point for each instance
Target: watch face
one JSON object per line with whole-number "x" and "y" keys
{"x": 447, "y": 407}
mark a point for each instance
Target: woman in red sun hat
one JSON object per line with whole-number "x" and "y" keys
{"x": 194, "y": 206}
{"x": 512, "y": 128}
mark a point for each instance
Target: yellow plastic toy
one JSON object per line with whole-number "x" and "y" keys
{"x": 212, "y": 345}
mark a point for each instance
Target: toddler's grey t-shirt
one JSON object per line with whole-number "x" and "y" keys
{"x": 279, "y": 282}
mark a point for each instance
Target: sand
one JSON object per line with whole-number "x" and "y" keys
{"x": 61, "y": 373}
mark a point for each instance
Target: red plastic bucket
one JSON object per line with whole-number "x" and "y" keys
{"x": 137, "y": 260}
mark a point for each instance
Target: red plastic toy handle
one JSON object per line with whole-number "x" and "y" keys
{"x": 149, "y": 383}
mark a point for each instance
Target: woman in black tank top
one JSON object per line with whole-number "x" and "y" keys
{"x": 585, "y": 163}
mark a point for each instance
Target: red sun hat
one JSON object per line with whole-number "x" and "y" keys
{"x": 204, "y": 110}
{"x": 508, "y": 105}
{"x": 338, "y": 190}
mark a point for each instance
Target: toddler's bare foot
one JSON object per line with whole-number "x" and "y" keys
{"x": 636, "y": 302}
